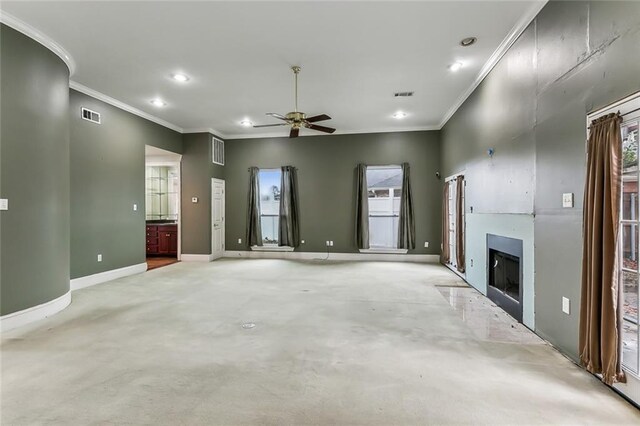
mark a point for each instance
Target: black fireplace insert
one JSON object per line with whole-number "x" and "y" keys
{"x": 504, "y": 273}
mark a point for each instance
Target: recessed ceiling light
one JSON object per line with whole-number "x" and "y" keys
{"x": 158, "y": 102}
{"x": 455, "y": 66}
{"x": 246, "y": 123}
{"x": 180, "y": 77}
{"x": 466, "y": 42}
{"x": 399, "y": 115}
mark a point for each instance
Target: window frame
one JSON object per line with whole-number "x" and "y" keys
{"x": 391, "y": 197}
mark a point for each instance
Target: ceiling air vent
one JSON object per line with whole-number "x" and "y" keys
{"x": 403, "y": 94}
{"x": 89, "y": 115}
{"x": 217, "y": 146}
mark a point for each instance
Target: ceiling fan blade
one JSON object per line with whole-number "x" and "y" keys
{"x": 271, "y": 125}
{"x": 321, "y": 117}
{"x": 276, "y": 115}
{"x": 294, "y": 132}
{"x": 320, "y": 128}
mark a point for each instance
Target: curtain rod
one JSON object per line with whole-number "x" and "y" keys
{"x": 629, "y": 112}
{"x": 271, "y": 168}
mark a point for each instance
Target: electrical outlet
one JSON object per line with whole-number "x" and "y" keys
{"x": 331, "y": 243}
{"x": 327, "y": 243}
{"x": 99, "y": 258}
{"x": 426, "y": 244}
{"x": 471, "y": 261}
{"x": 566, "y": 306}
{"x": 302, "y": 242}
{"x": 4, "y": 204}
{"x": 135, "y": 207}
{"x": 239, "y": 240}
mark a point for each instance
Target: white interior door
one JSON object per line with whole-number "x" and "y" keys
{"x": 217, "y": 218}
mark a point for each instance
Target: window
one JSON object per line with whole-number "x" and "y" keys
{"x": 269, "y": 205}
{"x": 628, "y": 252}
{"x": 384, "y": 186}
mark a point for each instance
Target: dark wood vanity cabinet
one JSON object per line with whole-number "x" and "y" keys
{"x": 162, "y": 239}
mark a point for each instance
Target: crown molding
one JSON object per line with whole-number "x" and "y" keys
{"x": 353, "y": 132}
{"x": 40, "y": 37}
{"x": 205, "y": 130}
{"x": 493, "y": 60}
{"x": 126, "y": 107}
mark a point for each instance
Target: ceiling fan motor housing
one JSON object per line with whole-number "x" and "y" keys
{"x": 296, "y": 116}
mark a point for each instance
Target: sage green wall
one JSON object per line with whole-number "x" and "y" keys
{"x": 197, "y": 171}
{"x": 574, "y": 58}
{"x": 107, "y": 179}
{"x": 326, "y": 176}
{"x": 34, "y": 173}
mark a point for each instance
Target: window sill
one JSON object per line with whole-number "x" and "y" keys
{"x": 384, "y": 251}
{"x": 271, "y": 248}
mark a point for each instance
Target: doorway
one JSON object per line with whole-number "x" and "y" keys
{"x": 456, "y": 223}
{"x": 217, "y": 218}
{"x": 162, "y": 207}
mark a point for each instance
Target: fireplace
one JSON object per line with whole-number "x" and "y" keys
{"x": 504, "y": 273}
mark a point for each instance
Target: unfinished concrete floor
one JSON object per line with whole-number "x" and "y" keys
{"x": 333, "y": 343}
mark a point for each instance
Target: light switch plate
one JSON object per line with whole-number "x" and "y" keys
{"x": 566, "y": 306}
{"x": 567, "y": 200}
{"x": 302, "y": 242}
{"x": 4, "y": 204}
{"x": 239, "y": 240}
{"x": 99, "y": 258}
{"x": 426, "y": 244}
{"x": 194, "y": 199}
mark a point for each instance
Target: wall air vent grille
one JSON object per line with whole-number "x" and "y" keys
{"x": 217, "y": 147}
{"x": 89, "y": 115}
{"x": 403, "y": 94}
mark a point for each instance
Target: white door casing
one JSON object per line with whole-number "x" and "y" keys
{"x": 217, "y": 218}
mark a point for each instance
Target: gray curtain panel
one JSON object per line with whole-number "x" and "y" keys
{"x": 289, "y": 223}
{"x": 406, "y": 225}
{"x": 254, "y": 230}
{"x": 362, "y": 208}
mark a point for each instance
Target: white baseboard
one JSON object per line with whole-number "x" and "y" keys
{"x": 35, "y": 313}
{"x": 419, "y": 258}
{"x": 196, "y": 257}
{"x": 89, "y": 280}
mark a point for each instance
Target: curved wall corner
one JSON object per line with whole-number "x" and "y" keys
{"x": 34, "y": 177}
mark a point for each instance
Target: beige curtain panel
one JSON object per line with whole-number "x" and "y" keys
{"x": 599, "y": 317}
{"x": 460, "y": 261}
{"x": 445, "y": 255}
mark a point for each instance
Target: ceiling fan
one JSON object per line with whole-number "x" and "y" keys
{"x": 297, "y": 119}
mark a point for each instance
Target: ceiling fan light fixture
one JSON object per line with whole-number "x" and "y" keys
{"x": 399, "y": 115}
{"x": 158, "y": 102}
{"x": 246, "y": 123}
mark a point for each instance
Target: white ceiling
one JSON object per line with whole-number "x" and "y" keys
{"x": 354, "y": 56}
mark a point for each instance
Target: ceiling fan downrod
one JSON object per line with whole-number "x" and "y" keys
{"x": 296, "y": 70}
